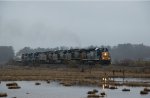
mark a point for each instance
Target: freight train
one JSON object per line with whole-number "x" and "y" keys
{"x": 82, "y": 56}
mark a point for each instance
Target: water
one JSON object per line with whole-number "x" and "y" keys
{"x": 147, "y": 80}
{"x": 56, "y": 90}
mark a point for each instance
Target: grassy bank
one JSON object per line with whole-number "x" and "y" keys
{"x": 69, "y": 75}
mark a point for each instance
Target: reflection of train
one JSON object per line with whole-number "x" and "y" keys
{"x": 82, "y": 56}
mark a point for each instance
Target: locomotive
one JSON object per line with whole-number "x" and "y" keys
{"x": 82, "y": 56}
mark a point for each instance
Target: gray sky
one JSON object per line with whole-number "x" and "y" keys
{"x": 76, "y": 23}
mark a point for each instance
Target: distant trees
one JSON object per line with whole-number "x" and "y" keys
{"x": 130, "y": 52}
{"x": 6, "y": 54}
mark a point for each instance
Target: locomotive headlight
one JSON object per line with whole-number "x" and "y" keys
{"x": 105, "y": 54}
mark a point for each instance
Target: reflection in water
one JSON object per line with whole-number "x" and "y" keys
{"x": 55, "y": 90}
{"x": 105, "y": 86}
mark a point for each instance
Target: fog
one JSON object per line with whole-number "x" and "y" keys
{"x": 50, "y": 24}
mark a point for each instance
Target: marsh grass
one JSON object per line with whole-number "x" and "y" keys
{"x": 143, "y": 92}
{"x": 134, "y": 84}
{"x": 13, "y": 85}
{"x": 70, "y": 76}
{"x": 3, "y": 94}
{"x": 93, "y": 96}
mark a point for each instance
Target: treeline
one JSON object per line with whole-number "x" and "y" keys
{"x": 121, "y": 52}
{"x": 130, "y": 52}
{"x": 6, "y": 54}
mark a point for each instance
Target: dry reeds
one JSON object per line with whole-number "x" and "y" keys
{"x": 37, "y": 83}
{"x": 125, "y": 89}
{"x": 136, "y": 84}
{"x": 69, "y": 74}
{"x": 3, "y": 94}
{"x": 93, "y": 96}
{"x": 143, "y": 92}
{"x": 103, "y": 93}
{"x": 90, "y": 92}
{"x": 106, "y": 86}
{"x": 147, "y": 89}
{"x": 67, "y": 83}
{"x": 48, "y": 81}
{"x": 13, "y": 85}
{"x": 112, "y": 87}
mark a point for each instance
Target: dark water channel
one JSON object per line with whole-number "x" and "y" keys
{"x": 55, "y": 90}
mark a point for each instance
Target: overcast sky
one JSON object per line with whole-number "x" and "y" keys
{"x": 77, "y": 23}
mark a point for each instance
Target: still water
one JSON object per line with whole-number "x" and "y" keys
{"x": 146, "y": 80}
{"x": 55, "y": 90}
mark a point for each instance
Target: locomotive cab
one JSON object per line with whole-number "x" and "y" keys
{"x": 105, "y": 56}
